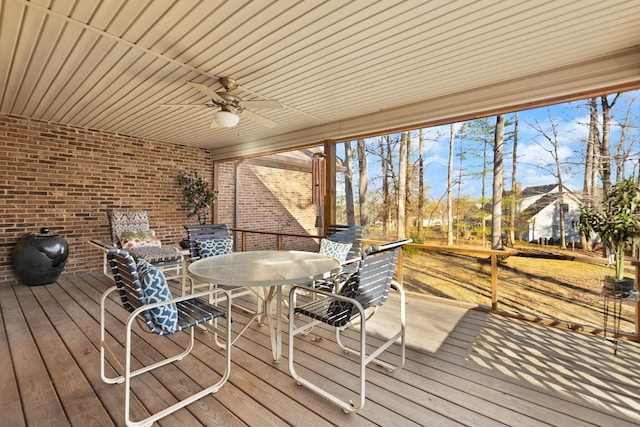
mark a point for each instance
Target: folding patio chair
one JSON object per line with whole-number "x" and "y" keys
{"x": 348, "y": 234}
{"x": 143, "y": 291}
{"x": 206, "y": 240}
{"x": 341, "y": 238}
{"x": 361, "y": 295}
{"x": 130, "y": 231}
{"x": 211, "y": 240}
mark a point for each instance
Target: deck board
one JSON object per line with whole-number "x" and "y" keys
{"x": 10, "y": 404}
{"x": 463, "y": 368}
{"x": 74, "y": 391}
{"x": 40, "y": 403}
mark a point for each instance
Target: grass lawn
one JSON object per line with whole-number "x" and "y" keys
{"x": 561, "y": 290}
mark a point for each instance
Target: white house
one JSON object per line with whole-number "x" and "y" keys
{"x": 540, "y": 206}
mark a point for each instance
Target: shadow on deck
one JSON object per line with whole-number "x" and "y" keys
{"x": 464, "y": 367}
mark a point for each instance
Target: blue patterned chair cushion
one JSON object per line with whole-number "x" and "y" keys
{"x": 212, "y": 247}
{"x": 337, "y": 250}
{"x": 156, "y": 289}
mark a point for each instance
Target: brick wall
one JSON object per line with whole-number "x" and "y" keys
{"x": 270, "y": 199}
{"x": 65, "y": 178}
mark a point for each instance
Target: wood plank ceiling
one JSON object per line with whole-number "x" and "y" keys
{"x": 340, "y": 68}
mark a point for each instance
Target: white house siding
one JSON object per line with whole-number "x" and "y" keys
{"x": 545, "y": 224}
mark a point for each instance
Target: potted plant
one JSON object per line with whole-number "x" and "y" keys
{"x": 617, "y": 222}
{"x": 197, "y": 194}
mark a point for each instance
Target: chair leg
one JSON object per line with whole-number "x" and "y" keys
{"x": 347, "y": 406}
{"x": 187, "y": 401}
{"x": 399, "y": 335}
{"x": 364, "y": 358}
{"x": 104, "y": 348}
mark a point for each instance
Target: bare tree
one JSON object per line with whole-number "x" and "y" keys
{"x": 410, "y": 185}
{"x": 450, "y": 186}
{"x": 421, "y": 194}
{"x": 590, "y": 167}
{"x": 481, "y": 132}
{"x": 554, "y": 169}
{"x": 515, "y": 191}
{"x": 623, "y": 149}
{"x": 498, "y": 175}
{"x": 386, "y": 205}
{"x": 402, "y": 183}
{"x": 605, "y": 157}
{"x": 348, "y": 183}
{"x": 590, "y": 163}
{"x": 363, "y": 187}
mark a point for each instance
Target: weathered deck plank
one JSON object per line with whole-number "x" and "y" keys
{"x": 39, "y": 399}
{"x": 76, "y": 395}
{"x": 484, "y": 370}
{"x": 10, "y": 404}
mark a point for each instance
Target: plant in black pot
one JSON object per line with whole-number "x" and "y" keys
{"x": 198, "y": 195}
{"x": 617, "y": 222}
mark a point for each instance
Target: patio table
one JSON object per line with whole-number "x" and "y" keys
{"x": 270, "y": 269}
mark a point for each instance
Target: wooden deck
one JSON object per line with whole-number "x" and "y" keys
{"x": 464, "y": 367}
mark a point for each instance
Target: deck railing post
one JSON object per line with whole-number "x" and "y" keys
{"x": 637, "y": 304}
{"x": 494, "y": 281}
{"x": 399, "y": 267}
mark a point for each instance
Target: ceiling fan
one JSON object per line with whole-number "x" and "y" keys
{"x": 228, "y": 107}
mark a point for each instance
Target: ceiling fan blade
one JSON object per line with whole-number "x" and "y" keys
{"x": 207, "y": 91}
{"x": 270, "y": 103}
{"x": 198, "y": 106}
{"x": 214, "y": 124}
{"x": 258, "y": 119}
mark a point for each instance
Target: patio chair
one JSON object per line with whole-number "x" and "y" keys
{"x": 344, "y": 236}
{"x": 348, "y": 234}
{"x": 362, "y": 294}
{"x": 130, "y": 231}
{"x": 206, "y": 240}
{"x": 143, "y": 291}
{"x": 337, "y": 250}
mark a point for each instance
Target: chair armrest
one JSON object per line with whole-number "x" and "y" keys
{"x": 100, "y": 244}
{"x": 396, "y": 286}
{"x": 204, "y": 294}
{"x": 104, "y": 248}
{"x": 308, "y": 288}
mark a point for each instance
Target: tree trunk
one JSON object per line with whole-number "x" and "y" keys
{"x": 402, "y": 184}
{"x": 420, "y": 213}
{"x": 589, "y": 164}
{"x": 408, "y": 204}
{"x": 498, "y": 175}
{"x": 605, "y": 152}
{"x": 386, "y": 219}
{"x": 363, "y": 179}
{"x": 450, "y": 187}
{"x": 515, "y": 192}
{"x": 348, "y": 183}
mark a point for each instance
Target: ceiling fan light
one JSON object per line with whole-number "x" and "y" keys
{"x": 226, "y": 118}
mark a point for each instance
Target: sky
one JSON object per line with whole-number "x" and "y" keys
{"x": 533, "y": 154}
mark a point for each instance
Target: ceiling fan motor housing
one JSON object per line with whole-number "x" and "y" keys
{"x": 231, "y": 102}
